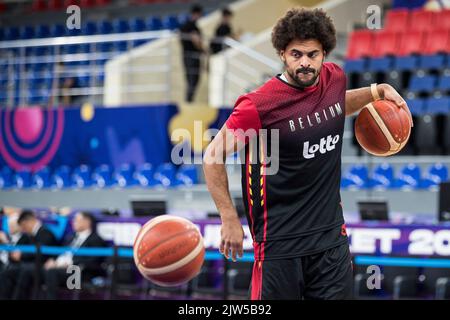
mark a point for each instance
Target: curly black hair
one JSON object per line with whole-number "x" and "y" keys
{"x": 304, "y": 24}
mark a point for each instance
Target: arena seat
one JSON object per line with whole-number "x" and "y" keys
{"x": 437, "y": 41}
{"x": 41, "y": 178}
{"x": 421, "y": 20}
{"x": 55, "y": 4}
{"x": 360, "y": 44}
{"x": 6, "y": 178}
{"x": 39, "y": 5}
{"x": 382, "y": 176}
{"x": 357, "y": 176}
{"x": 104, "y": 27}
{"x": 102, "y": 176}
{"x": 432, "y": 62}
{"x": 409, "y": 177}
{"x": 386, "y": 43}
{"x": 411, "y": 42}
{"x": 397, "y": 20}
{"x": 444, "y": 83}
{"x": 42, "y": 31}
{"x": 186, "y": 175}
{"x": 165, "y": 174}
{"x": 82, "y": 176}
{"x": 154, "y": 23}
{"x": 435, "y": 174}
{"x": 439, "y": 105}
{"x": 57, "y": 30}
{"x": 11, "y": 33}
{"x": 171, "y": 22}
{"x": 61, "y": 177}
{"x": 22, "y": 179}
{"x": 426, "y": 83}
{"x": 120, "y": 26}
{"x": 145, "y": 176}
{"x": 89, "y": 28}
{"x": 137, "y": 24}
{"x": 125, "y": 175}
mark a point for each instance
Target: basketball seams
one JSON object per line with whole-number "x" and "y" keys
{"x": 176, "y": 265}
{"x": 148, "y": 226}
{"x": 379, "y": 121}
{"x": 163, "y": 241}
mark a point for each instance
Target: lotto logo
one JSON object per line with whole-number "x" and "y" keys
{"x": 325, "y": 145}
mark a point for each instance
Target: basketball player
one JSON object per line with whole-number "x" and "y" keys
{"x": 295, "y": 215}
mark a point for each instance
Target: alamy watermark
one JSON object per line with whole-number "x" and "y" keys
{"x": 74, "y": 280}
{"x": 74, "y": 19}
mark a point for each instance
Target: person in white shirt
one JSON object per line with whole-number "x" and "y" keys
{"x": 55, "y": 270}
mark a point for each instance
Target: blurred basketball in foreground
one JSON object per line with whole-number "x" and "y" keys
{"x": 169, "y": 250}
{"x": 382, "y": 128}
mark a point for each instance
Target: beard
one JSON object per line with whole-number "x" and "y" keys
{"x": 303, "y": 77}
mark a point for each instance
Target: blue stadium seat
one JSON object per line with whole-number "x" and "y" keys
{"x": 42, "y": 31}
{"x": 22, "y": 179}
{"x": 357, "y": 176}
{"x": 444, "y": 83}
{"x": 12, "y": 33}
{"x": 121, "y": 46}
{"x": 102, "y": 176}
{"x": 416, "y": 106}
{"x": 137, "y": 24}
{"x": 183, "y": 18}
{"x": 145, "y": 176}
{"x": 84, "y": 80}
{"x": 425, "y": 83}
{"x": 409, "y": 177}
{"x": 120, "y": 26}
{"x": 429, "y": 62}
{"x": 6, "y": 178}
{"x": 90, "y": 28}
{"x": 382, "y": 177}
{"x": 105, "y": 46}
{"x": 74, "y": 32}
{"x": 186, "y": 175}
{"x": 165, "y": 174}
{"x": 81, "y": 176}
{"x": 41, "y": 178}
{"x": 125, "y": 176}
{"x": 57, "y": 30}
{"x": 438, "y": 105}
{"x": 61, "y": 178}
{"x": 26, "y": 32}
{"x": 355, "y": 65}
{"x": 436, "y": 174}
{"x": 171, "y": 22}
{"x": 380, "y": 64}
{"x": 154, "y": 23}
{"x": 104, "y": 27}
{"x": 406, "y": 63}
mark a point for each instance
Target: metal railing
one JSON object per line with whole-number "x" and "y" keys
{"x": 19, "y": 66}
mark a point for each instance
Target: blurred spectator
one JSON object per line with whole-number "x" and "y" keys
{"x": 30, "y": 225}
{"x": 66, "y": 82}
{"x": 17, "y": 264}
{"x": 223, "y": 30}
{"x": 192, "y": 50}
{"x": 85, "y": 236}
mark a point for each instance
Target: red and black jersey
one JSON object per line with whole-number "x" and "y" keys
{"x": 293, "y": 202}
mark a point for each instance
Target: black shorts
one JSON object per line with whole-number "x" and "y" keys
{"x": 326, "y": 275}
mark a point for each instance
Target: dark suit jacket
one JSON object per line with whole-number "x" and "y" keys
{"x": 90, "y": 265}
{"x": 44, "y": 237}
{"x": 26, "y": 257}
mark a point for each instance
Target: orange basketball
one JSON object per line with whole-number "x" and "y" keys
{"x": 169, "y": 250}
{"x": 382, "y": 128}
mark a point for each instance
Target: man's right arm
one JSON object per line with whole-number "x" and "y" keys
{"x": 232, "y": 234}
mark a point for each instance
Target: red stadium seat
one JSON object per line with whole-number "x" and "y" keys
{"x": 87, "y": 3}
{"x": 71, "y": 2}
{"x": 39, "y": 5}
{"x": 411, "y": 42}
{"x": 386, "y": 43}
{"x": 443, "y": 19}
{"x": 421, "y": 20}
{"x": 55, "y": 4}
{"x": 102, "y": 2}
{"x": 360, "y": 44}
{"x": 397, "y": 20}
{"x": 437, "y": 41}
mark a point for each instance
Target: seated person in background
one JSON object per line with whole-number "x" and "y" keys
{"x": 55, "y": 270}
{"x": 30, "y": 225}
{"x": 11, "y": 261}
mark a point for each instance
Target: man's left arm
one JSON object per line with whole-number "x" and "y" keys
{"x": 356, "y": 99}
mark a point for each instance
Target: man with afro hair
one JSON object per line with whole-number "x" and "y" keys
{"x": 294, "y": 214}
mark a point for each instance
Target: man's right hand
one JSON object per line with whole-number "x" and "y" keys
{"x": 232, "y": 238}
